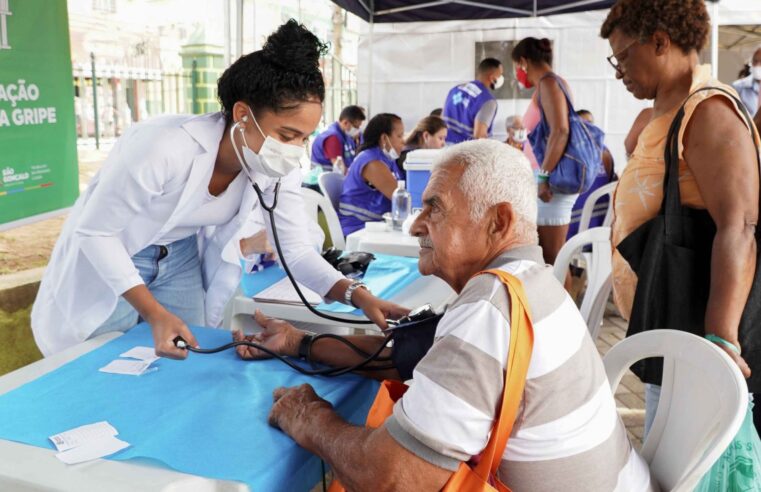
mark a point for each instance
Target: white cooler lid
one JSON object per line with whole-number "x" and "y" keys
{"x": 421, "y": 159}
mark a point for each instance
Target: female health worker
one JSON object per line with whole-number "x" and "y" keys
{"x": 157, "y": 234}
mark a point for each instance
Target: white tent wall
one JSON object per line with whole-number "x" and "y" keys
{"x": 415, "y": 64}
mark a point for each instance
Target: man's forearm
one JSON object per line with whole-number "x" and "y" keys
{"x": 733, "y": 265}
{"x": 334, "y": 353}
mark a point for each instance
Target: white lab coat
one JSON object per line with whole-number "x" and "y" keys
{"x": 155, "y": 168}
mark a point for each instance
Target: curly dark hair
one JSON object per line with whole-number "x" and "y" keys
{"x": 685, "y": 21}
{"x": 284, "y": 73}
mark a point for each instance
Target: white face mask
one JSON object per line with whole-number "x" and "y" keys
{"x": 498, "y": 83}
{"x": 391, "y": 153}
{"x": 353, "y": 131}
{"x": 756, "y": 72}
{"x": 275, "y": 159}
{"x": 520, "y": 135}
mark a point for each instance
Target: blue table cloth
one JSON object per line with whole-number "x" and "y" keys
{"x": 386, "y": 276}
{"x": 206, "y": 415}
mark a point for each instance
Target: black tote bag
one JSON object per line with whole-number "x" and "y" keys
{"x": 671, "y": 255}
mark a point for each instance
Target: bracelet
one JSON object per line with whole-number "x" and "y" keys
{"x": 717, "y": 339}
{"x": 543, "y": 176}
{"x": 305, "y": 346}
{"x": 350, "y": 290}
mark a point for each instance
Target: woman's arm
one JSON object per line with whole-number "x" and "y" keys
{"x": 556, "y": 112}
{"x": 726, "y": 171}
{"x": 640, "y": 122}
{"x": 380, "y": 177}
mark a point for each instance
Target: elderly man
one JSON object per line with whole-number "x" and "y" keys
{"x": 516, "y": 132}
{"x": 479, "y": 213}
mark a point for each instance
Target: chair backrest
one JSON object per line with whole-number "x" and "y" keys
{"x": 331, "y": 185}
{"x": 313, "y": 203}
{"x": 596, "y": 311}
{"x": 589, "y": 206}
{"x": 703, "y": 402}
{"x": 599, "y": 267}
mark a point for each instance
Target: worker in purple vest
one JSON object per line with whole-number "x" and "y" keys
{"x": 470, "y": 108}
{"x": 373, "y": 176}
{"x": 339, "y": 139}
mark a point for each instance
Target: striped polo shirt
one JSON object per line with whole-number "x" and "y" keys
{"x": 567, "y": 436}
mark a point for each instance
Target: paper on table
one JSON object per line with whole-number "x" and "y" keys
{"x": 141, "y": 353}
{"x": 98, "y": 448}
{"x": 282, "y": 292}
{"x": 80, "y": 435}
{"x": 128, "y": 367}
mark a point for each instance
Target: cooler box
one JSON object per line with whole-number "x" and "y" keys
{"x": 418, "y": 166}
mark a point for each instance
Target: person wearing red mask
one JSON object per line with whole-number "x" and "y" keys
{"x": 532, "y": 59}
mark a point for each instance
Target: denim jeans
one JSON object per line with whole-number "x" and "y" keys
{"x": 652, "y": 397}
{"x": 173, "y": 275}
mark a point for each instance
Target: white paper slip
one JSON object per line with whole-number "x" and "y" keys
{"x": 282, "y": 292}
{"x": 98, "y": 448}
{"x": 81, "y": 435}
{"x": 128, "y": 367}
{"x": 141, "y": 353}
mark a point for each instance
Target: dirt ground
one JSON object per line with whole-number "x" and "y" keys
{"x": 27, "y": 247}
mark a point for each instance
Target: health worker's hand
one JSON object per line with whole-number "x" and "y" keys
{"x": 544, "y": 192}
{"x": 166, "y": 327}
{"x": 377, "y": 310}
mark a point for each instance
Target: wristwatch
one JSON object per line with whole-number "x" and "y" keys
{"x": 305, "y": 345}
{"x": 350, "y": 290}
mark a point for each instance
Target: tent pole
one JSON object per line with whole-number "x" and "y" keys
{"x": 370, "y": 72}
{"x": 715, "y": 39}
{"x": 228, "y": 56}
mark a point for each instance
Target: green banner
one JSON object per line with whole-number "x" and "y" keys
{"x": 38, "y": 142}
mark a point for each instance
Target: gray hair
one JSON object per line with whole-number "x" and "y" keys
{"x": 510, "y": 120}
{"x": 496, "y": 173}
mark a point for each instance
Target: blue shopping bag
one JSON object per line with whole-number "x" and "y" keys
{"x": 739, "y": 467}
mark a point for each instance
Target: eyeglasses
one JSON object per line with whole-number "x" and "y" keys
{"x": 613, "y": 59}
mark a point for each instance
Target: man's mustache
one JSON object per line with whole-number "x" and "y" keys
{"x": 425, "y": 242}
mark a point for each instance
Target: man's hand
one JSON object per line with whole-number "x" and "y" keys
{"x": 279, "y": 336}
{"x": 544, "y": 192}
{"x": 377, "y": 310}
{"x": 293, "y": 409}
{"x": 737, "y": 358}
{"x": 166, "y": 327}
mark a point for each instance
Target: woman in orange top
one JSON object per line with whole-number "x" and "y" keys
{"x": 655, "y": 45}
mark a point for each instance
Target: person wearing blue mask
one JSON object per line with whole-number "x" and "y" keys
{"x": 749, "y": 87}
{"x": 161, "y": 230}
{"x": 339, "y": 139}
{"x": 373, "y": 176}
{"x": 470, "y": 108}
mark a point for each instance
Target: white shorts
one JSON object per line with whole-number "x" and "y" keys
{"x": 557, "y": 212}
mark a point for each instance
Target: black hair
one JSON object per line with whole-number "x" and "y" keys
{"x": 280, "y": 76}
{"x": 745, "y": 72}
{"x": 352, "y": 113}
{"x": 534, "y": 50}
{"x": 436, "y": 112}
{"x": 583, "y": 112}
{"x": 378, "y": 125}
{"x": 488, "y": 64}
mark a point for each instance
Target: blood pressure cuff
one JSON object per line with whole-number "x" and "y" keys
{"x": 411, "y": 342}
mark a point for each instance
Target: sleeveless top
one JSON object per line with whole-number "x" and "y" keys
{"x": 359, "y": 202}
{"x": 639, "y": 194}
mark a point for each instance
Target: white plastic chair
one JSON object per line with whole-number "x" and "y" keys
{"x": 703, "y": 402}
{"x": 598, "y": 267}
{"x": 313, "y": 203}
{"x": 589, "y": 206}
{"x": 331, "y": 185}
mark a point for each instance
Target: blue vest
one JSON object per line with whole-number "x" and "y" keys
{"x": 359, "y": 202}
{"x": 460, "y": 110}
{"x": 348, "y": 144}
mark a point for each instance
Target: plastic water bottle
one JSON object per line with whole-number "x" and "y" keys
{"x": 401, "y": 205}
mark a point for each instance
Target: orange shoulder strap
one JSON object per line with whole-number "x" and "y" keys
{"x": 518, "y": 358}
